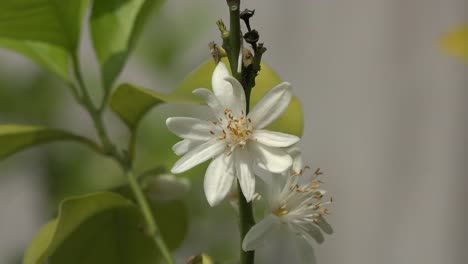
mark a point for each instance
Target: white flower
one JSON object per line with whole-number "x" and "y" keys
{"x": 235, "y": 141}
{"x": 295, "y": 205}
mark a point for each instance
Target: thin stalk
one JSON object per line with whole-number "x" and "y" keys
{"x": 122, "y": 159}
{"x": 245, "y": 208}
{"x": 91, "y": 108}
{"x": 151, "y": 226}
{"x": 234, "y": 36}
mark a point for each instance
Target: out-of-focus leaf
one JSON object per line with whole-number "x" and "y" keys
{"x": 43, "y": 30}
{"x": 455, "y": 42}
{"x": 73, "y": 171}
{"x": 290, "y": 122}
{"x": 115, "y": 25}
{"x": 173, "y": 221}
{"x": 55, "y": 22}
{"x": 53, "y": 58}
{"x": 14, "y": 138}
{"x": 95, "y": 228}
{"x": 201, "y": 259}
{"x": 131, "y": 102}
{"x": 171, "y": 217}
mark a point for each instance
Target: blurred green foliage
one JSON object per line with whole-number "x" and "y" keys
{"x": 36, "y": 97}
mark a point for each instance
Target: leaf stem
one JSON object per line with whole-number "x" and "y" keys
{"x": 151, "y": 226}
{"x": 95, "y": 114}
{"x": 124, "y": 159}
{"x": 245, "y": 208}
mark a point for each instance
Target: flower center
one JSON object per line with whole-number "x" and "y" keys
{"x": 281, "y": 211}
{"x": 302, "y": 202}
{"x": 235, "y": 131}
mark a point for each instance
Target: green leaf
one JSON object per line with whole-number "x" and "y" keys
{"x": 43, "y": 30}
{"x": 14, "y": 138}
{"x": 53, "y": 58}
{"x": 131, "y": 103}
{"x": 455, "y": 42}
{"x": 290, "y": 122}
{"x": 91, "y": 229}
{"x": 172, "y": 219}
{"x": 115, "y": 26}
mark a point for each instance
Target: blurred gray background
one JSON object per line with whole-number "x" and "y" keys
{"x": 385, "y": 118}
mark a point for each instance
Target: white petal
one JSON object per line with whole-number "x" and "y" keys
{"x": 275, "y": 139}
{"x": 222, "y": 88}
{"x": 277, "y": 184}
{"x": 297, "y": 165}
{"x": 190, "y": 128}
{"x": 303, "y": 250}
{"x": 185, "y": 145}
{"x": 313, "y": 233}
{"x": 218, "y": 179}
{"x": 244, "y": 173}
{"x": 238, "y": 103}
{"x": 198, "y": 155}
{"x": 271, "y": 105}
{"x": 296, "y": 154}
{"x": 219, "y": 85}
{"x": 272, "y": 159}
{"x": 211, "y": 101}
{"x": 259, "y": 232}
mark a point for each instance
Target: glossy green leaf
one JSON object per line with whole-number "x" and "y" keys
{"x": 115, "y": 25}
{"x": 131, "y": 102}
{"x": 455, "y": 42}
{"x": 14, "y": 138}
{"x": 95, "y": 228}
{"x": 290, "y": 122}
{"x": 53, "y": 58}
{"x": 43, "y": 30}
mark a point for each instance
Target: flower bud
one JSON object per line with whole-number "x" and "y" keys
{"x": 247, "y": 14}
{"x": 252, "y": 37}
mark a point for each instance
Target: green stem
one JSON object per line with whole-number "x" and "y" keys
{"x": 151, "y": 226}
{"x": 234, "y": 36}
{"x": 245, "y": 208}
{"x": 125, "y": 161}
{"x": 246, "y": 222}
{"x": 95, "y": 114}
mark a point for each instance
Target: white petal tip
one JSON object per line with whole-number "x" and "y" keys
{"x": 297, "y": 139}
{"x": 244, "y": 247}
{"x": 286, "y": 85}
{"x": 213, "y": 202}
{"x": 249, "y": 197}
{"x": 198, "y": 91}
